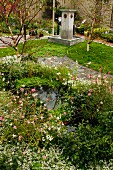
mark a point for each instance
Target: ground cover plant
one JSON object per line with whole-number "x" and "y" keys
{"x": 99, "y": 56}
{"x": 77, "y": 134}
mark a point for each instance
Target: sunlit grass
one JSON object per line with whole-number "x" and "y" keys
{"x": 99, "y": 56}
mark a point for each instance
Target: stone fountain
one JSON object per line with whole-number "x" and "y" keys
{"x": 66, "y": 36}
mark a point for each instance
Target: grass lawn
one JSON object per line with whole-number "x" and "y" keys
{"x": 100, "y": 56}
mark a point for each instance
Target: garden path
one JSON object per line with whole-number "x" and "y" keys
{"x": 98, "y": 40}
{"x": 83, "y": 73}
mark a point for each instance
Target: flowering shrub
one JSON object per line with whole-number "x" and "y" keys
{"x": 77, "y": 134}
{"x": 27, "y": 119}
{"x": 86, "y": 101}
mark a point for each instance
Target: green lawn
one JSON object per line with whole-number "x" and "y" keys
{"x": 99, "y": 55}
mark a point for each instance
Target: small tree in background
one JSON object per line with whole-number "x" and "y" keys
{"x": 18, "y": 14}
{"x": 94, "y": 16}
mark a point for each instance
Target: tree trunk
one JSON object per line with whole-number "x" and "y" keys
{"x": 111, "y": 22}
{"x": 90, "y": 34}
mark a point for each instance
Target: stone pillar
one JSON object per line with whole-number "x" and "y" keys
{"x": 67, "y": 23}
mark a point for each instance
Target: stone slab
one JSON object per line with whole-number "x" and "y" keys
{"x": 57, "y": 39}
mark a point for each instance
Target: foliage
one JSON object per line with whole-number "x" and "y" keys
{"x": 27, "y": 119}
{"x": 108, "y": 37}
{"x": 48, "y": 9}
{"x": 15, "y": 15}
{"x": 97, "y": 32}
{"x": 100, "y": 56}
{"x": 90, "y": 146}
{"x": 31, "y": 74}
{"x": 82, "y": 28}
{"x": 22, "y": 157}
{"x": 76, "y": 135}
{"x": 86, "y": 103}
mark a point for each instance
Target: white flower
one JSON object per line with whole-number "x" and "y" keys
{"x": 41, "y": 117}
{"x": 43, "y": 139}
{"x": 101, "y": 102}
{"x": 58, "y": 73}
{"x": 14, "y": 136}
{"x": 3, "y": 79}
{"x": 58, "y": 118}
{"x": 89, "y": 63}
{"x": 49, "y": 137}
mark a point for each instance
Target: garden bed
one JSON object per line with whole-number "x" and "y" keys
{"x": 77, "y": 134}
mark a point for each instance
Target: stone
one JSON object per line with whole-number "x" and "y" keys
{"x": 66, "y": 36}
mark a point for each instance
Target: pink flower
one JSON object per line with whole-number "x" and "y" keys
{"x": 49, "y": 109}
{"x": 44, "y": 156}
{"x": 20, "y": 137}
{"x": 1, "y": 118}
{"x": 20, "y": 107}
{"x": 15, "y": 127}
{"x": 28, "y": 122}
{"x": 22, "y": 89}
{"x": 90, "y": 76}
{"x": 91, "y": 90}
{"x": 73, "y": 78}
{"x": 89, "y": 94}
{"x": 20, "y": 102}
{"x": 64, "y": 113}
{"x": 33, "y": 122}
{"x": 22, "y": 117}
{"x": 33, "y": 90}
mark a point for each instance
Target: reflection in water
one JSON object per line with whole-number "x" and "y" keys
{"x": 50, "y": 97}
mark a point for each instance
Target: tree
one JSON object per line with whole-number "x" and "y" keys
{"x": 18, "y": 13}
{"x": 94, "y": 16}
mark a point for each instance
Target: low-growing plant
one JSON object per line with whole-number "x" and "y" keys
{"x": 90, "y": 147}
{"x": 27, "y": 119}
{"x": 27, "y": 124}
{"x": 82, "y": 28}
{"x": 31, "y": 74}
{"x": 87, "y": 101}
{"x": 108, "y": 37}
{"x": 97, "y": 32}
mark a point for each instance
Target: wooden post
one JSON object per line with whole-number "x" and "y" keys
{"x": 53, "y": 17}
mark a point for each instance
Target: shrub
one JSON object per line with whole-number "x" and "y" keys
{"x": 14, "y": 75}
{"x": 90, "y": 147}
{"x": 101, "y": 30}
{"x": 97, "y": 32}
{"x": 27, "y": 119}
{"x": 108, "y": 37}
{"x": 85, "y": 104}
{"x": 82, "y": 28}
